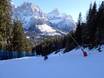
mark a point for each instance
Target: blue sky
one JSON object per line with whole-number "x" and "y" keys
{"x": 72, "y": 7}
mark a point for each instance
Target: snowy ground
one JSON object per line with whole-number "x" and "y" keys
{"x": 68, "y": 65}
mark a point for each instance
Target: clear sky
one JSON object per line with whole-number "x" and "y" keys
{"x": 72, "y": 7}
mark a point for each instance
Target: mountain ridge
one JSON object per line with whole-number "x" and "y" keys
{"x": 33, "y": 17}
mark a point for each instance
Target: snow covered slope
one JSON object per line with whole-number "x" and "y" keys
{"x": 47, "y": 30}
{"x": 68, "y": 65}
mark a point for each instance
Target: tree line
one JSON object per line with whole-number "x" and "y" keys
{"x": 89, "y": 33}
{"x": 13, "y": 41}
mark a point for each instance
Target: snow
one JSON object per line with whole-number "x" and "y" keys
{"x": 45, "y": 28}
{"x": 27, "y": 37}
{"x": 68, "y": 65}
{"x": 55, "y": 21}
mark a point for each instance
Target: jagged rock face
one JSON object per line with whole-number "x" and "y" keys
{"x": 29, "y": 13}
{"x": 35, "y": 20}
{"x": 60, "y": 21}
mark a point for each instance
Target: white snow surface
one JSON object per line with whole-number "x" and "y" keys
{"x": 48, "y": 30}
{"x": 68, "y": 65}
{"x": 45, "y": 28}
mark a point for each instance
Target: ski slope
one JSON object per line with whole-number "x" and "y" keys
{"x": 68, "y": 65}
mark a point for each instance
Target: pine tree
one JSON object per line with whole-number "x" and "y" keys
{"x": 100, "y": 24}
{"x": 70, "y": 43}
{"x": 5, "y": 22}
{"x": 91, "y": 26}
{"x": 19, "y": 41}
{"x": 78, "y": 33}
{"x": 83, "y": 34}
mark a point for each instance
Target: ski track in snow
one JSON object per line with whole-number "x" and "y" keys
{"x": 68, "y": 65}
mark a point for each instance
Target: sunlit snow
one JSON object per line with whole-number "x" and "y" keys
{"x": 45, "y": 28}
{"x": 68, "y": 65}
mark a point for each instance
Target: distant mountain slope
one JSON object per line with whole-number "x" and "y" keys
{"x": 34, "y": 19}
{"x": 60, "y": 21}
